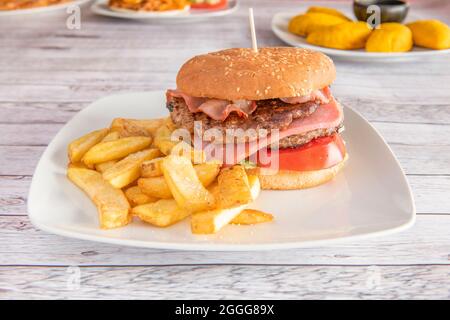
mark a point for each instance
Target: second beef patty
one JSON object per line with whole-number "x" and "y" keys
{"x": 269, "y": 114}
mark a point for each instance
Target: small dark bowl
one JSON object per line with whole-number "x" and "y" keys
{"x": 390, "y": 10}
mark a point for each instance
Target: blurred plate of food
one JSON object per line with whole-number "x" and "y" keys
{"x": 166, "y": 10}
{"x": 339, "y": 34}
{"x": 19, "y": 7}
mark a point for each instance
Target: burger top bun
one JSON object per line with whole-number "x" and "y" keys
{"x": 241, "y": 73}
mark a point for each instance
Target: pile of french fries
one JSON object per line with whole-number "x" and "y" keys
{"x": 135, "y": 169}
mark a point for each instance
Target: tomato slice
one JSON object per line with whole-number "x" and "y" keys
{"x": 321, "y": 153}
{"x": 204, "y": 5}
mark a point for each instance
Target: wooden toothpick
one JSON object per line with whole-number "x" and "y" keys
{"x": 252, "y": 30}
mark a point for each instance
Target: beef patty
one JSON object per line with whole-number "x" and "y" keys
{"x": 269, "y": 114}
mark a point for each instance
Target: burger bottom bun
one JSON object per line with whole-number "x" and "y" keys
{"x": 290, "y": 180}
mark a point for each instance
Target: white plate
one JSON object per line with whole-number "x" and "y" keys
{"x": 46, "y": 9}
{"x": 150, "y": 13}
{"x": 101, "y": 7}
{"x": 370, "y": 197}
{"x": 280, "y": 23}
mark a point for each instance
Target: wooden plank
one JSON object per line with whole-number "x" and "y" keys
{"x": 38, "y": 134}
{"x": 427, "y": 242}
{"x": 28, "y": 134}
{"x": 418, "y": 134}
{"x": 13, "y": 194}
{"x": 92, "y": 68}
{"x": 430, "y": 194}
{"x": 400, "y": 112}
{"x": 39, "y": 112}
{"x": 416, "y": 156}
{"x": 20, "y": 160}
{"x": 381, "y": 88}
{"x": 423, "y": 160}
{"x": 227, "y": 282}
{"x": 407, "y": 134}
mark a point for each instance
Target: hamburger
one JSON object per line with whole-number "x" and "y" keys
{"x": 281, "y": 95}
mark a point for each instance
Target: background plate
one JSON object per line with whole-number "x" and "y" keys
{"x": 370, "y": 197}
{"x": 56, "y": 7}
{"x": 100, "y": 7}
{"x": 280, "y": 23}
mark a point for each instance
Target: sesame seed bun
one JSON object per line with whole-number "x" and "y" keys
{"x": 271, "y": 73}
{"x": 290, "y": 180}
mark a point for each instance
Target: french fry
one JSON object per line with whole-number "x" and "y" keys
{"x": 163, "y": 140}
{"x": 207, "y": 172}
{"x": 234, "y": 187}
{"x": 161, "y": 182}
{"x": 255, "y": 186}
{"x": 183, "y": 149}
{"x": 117, "y": 149}
{"x": 169, "y": 123}
{"x": 183, "y": 182}
{"x": 79, "y": 147}
{"x": 102, "y": 167}
{"x": 211, "y": 221}
{"x": 155, "y": 187}
{"x": 134, "y": 127}
{"x": 161, "y": 213}
{"x": 251, "y": 216}
{"x": 114, "y": 135}
{"x": 112, "y": 205}
{"x": 214, "y": 189}
{"x": 128, "y": 169}
{"x": 151, "y": 168}
{"x": 79, "y": 165}
{"x": 136, "y": 197}
{"x": 154, "y": 184}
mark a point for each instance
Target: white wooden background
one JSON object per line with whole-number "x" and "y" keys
{"x": 48, "y": 73}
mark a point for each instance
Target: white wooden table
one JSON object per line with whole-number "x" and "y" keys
{"x": 48, "y": 73}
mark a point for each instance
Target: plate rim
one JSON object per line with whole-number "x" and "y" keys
{"x": 205, "y": 246}
{"x": 350, "y": 53}
{"x": 45, "y": 9}
{"x": 97, "y": 8}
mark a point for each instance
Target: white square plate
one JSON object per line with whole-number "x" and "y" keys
{"x": 370, "y": 197}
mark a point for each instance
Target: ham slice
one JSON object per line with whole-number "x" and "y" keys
{"x": 220, "y": 109}
{"x": 193, "y": 103}
{"x": 216, "y": 109}
{"x": 326, "y": 116}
